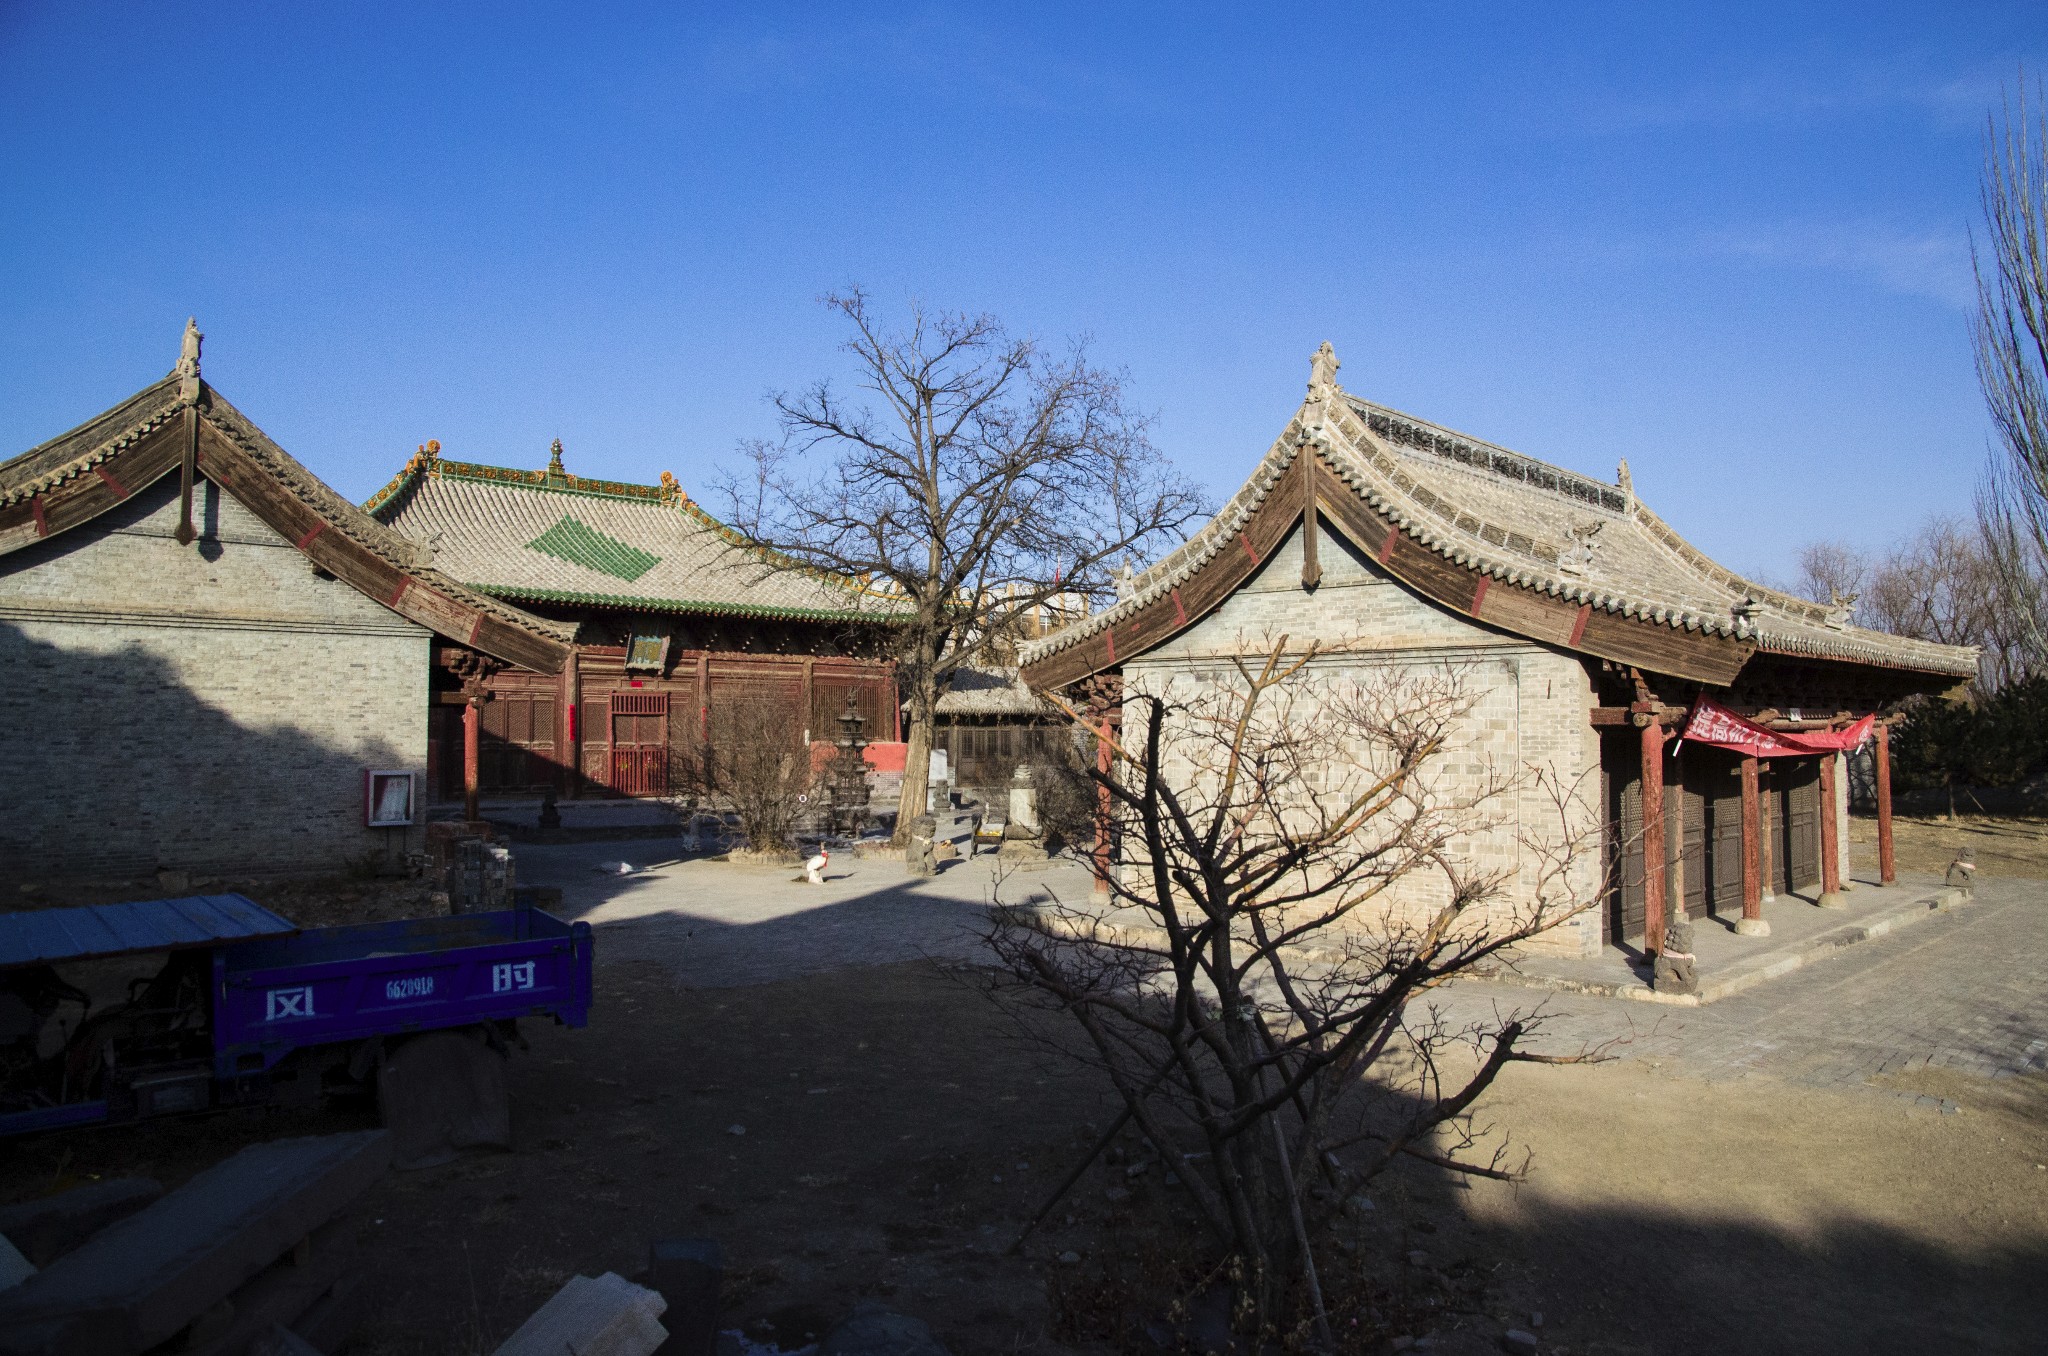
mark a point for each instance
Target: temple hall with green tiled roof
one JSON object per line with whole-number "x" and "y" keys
{"x": 676, "y": 615}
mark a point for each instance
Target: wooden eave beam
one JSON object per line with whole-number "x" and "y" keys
{"x": 362, "y": 569}
{"x": 1651, "y": 646}
{"x": 86, "y": 496}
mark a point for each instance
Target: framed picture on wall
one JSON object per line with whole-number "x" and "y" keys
{"x": 387, "y": 799}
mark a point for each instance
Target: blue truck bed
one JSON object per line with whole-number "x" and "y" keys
{"x": 241, "y": 991}
{"x": 326, "y": 985}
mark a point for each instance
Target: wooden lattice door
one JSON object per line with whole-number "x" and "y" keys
{"x": 639, "y": 743}
{"x": 1802, "y": 819}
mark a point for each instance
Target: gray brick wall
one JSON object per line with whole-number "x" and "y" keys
{"x": 1530, "y": 709}
{"x": 209, "y": 707}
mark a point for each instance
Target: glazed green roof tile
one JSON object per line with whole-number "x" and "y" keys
{"x": 580, "y": 544}
{"x": 548, "y": 536}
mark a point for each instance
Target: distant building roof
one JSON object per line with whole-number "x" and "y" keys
{"x": 551, "y": 537}
{"x": 44, "y": 936}
{"x": 992, "y": 692}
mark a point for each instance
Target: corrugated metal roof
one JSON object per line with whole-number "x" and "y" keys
{"x": 44, "y": 935}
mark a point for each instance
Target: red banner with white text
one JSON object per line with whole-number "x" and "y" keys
{"x": 1713, "y": 723}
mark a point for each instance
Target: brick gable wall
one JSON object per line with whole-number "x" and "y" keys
{"x": 209, "y": 707}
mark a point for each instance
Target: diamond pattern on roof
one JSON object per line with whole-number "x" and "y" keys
{"x": 581, "y": 544}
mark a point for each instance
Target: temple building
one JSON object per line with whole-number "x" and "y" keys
{"x": 1589, "y": 634}
{"x": 675, "y": 616}
{"x": 214, "y": 663}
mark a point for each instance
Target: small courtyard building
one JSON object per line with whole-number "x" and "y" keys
{"x": 1590, "y": 636}
{"x": 214, "y": 663}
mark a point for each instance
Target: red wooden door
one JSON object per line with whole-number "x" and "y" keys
{"x": 639, "y": 743}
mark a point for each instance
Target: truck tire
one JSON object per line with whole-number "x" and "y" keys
{"x": 442, "y": 1092}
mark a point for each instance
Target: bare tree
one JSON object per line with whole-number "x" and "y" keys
{"x": 755, "y": 763}
{"x": 1831, "y": 570}
{"x": 2011, "y": 345}
{"x": 977, "y": 477}
{"x": 1308, "y": 859}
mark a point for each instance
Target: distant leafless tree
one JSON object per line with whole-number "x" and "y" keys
{"x": 2011, "y": 345}
{"x": 978, "y": 473}
{"x": 1253, "y": 1001}
{"x": 1829, "y": 570}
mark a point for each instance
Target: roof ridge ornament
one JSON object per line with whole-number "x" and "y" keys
{"x": 1627, "y": 482}
{"x": 1577, "y": 558}
{"x": 188, "y": 360}
{"x": 1322, "y": 372}
{"x": 555, "y": 474}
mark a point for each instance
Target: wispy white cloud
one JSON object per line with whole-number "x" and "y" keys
{"x": 1922, "y": 263}
{"x": 1950, "y": 99}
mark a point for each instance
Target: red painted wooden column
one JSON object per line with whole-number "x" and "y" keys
{"x": 1765, "y": 870}
{"x": 568, "y": 738}
{"x": 1830, "y": 848}
{"x": 1887, "y": 866}
{"x": 1653, "y": 837}
{"x": 1752, "y": 923}
{"x": 472, "y": 718}
{"x": 1102, "y": 811}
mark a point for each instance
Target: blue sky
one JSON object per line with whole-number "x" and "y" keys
{"x": 1729, "y": 244}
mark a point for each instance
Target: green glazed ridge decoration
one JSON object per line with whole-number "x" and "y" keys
{"x": 580, "y": 544}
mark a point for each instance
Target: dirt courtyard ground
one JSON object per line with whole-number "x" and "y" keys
{"x": 881, "y": 1131}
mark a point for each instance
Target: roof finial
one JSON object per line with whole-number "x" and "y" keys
{"x": 1322, "y": 371}
{"x": 555, "y": 459}
{"x": 188, "y": 359}
{"x": 1621, "y": 478}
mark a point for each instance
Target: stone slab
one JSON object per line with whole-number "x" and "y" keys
{"x": 278, "y": 1295}
{"x": 688, "y": 1272}
{"x": 605, "y": 1316}
{"x": 140, "y": 1281}
{"x": 48, "y": 1228}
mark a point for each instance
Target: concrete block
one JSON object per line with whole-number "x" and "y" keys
{"x": 441, "y": 1093}
{"x": 608, "y": 1316}
{"x": 14, "y": 1268}
{"x": 278, "y": 1295}
{"x": 687, "y": 1272}
{"x": 46, "y": 1229}
{"x": 873, "y": 1330}
{"x": 282, "y": 1341}
{"x": 140, "y": 1281}
{"x": 333, "y": 1319}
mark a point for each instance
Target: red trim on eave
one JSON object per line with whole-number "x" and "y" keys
{"x": 476, "y": 628}
{"x": 404, "y": 583}
{"x": 1180, "y": 614}
{"x": 1247, "y": 541}
{"x": 311, "y": 532}
{"x": 35, "y": 505}
{"x": 1386, "y": 551}
{"x": 116, "y": 486}
{"x": 1109, "y": 639}
{"x": 1579, "y": 624}
{"x": 1479, "y": 594}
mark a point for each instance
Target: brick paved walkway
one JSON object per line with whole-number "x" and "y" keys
{"x": 1966, "y": 990}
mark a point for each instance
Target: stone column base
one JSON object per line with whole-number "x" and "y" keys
{"x": 1831, "y": 900}
{"x": 1753, "y": 927}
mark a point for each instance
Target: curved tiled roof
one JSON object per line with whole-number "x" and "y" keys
{"x": 57, "y": 468}
{"x": 547, "y": 536}
{"x": 1527, "y": 523}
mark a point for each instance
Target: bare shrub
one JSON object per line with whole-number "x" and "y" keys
{"x": 1311, "y": 860}
{"x": 758, "y": 765}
